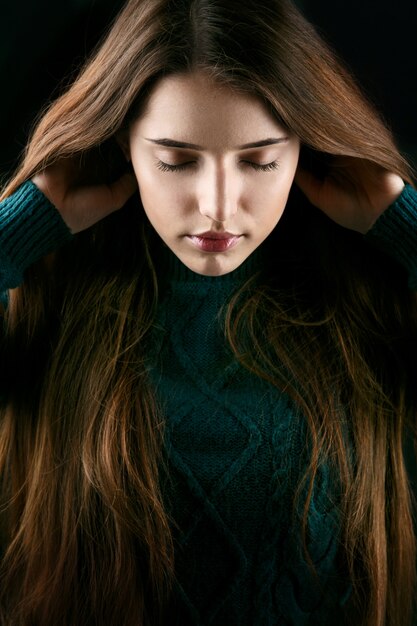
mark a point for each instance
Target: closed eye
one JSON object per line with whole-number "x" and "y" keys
{"x": 267, "y": 167}
{"x": 166, "y": 167}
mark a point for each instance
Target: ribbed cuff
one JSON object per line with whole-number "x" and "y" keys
{"x": 30, "y": 228}
{"x": 395, "y": 232}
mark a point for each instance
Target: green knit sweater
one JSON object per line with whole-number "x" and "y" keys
{"x": 236, "y": 446}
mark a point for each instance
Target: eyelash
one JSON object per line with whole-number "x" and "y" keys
{"x": 268, "y": 167}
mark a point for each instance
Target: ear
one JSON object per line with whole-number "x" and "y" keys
{"x": 122, "y": 138}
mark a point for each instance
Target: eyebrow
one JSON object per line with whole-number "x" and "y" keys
{"x": 173, "y": 143}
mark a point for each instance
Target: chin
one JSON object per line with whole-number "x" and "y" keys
{"x": 214, "y": 267}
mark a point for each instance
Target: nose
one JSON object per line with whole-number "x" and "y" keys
{"x": 218, "y": 197}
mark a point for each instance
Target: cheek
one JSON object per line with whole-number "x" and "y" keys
{"x": 162, "y": 193}
{"x": 151, "y": 188}
{"x": 268, "y": 201}
{"x": 271, "y": 194}
{"x": 162, "y": 202}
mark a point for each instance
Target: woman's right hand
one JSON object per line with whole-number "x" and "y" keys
{"x": 82, "y": 205}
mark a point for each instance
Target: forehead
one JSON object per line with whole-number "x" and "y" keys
{"x": 193, "y": 103}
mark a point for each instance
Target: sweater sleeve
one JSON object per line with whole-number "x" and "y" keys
{"x": 30, "y": 228}
{"x": 395, "y": 232}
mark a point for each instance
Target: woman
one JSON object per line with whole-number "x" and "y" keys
{"x": 206, "y": 395}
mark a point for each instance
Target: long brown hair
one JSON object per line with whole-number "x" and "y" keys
{"x": 85, "y": 534}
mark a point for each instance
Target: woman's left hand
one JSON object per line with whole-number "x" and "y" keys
{"x": 354, "y": 193}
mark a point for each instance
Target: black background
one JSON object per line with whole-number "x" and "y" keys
{"x": 42, "y": 42}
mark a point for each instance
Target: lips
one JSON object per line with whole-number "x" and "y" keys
{"x": 214, "y": 242}
{"x": 211, "y": 234}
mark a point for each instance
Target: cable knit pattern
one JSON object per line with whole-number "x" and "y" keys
{"x": 237, "y": 450}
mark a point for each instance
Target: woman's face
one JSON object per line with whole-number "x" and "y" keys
{"x": 198, "y": 175}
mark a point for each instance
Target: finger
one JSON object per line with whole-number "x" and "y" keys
{"x": 101, "y": 200}
{"x": 87, "y": 205}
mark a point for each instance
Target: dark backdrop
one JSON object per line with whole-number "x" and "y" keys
{"x": 42, "y": 42}
{"x": 378, "y": 41}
